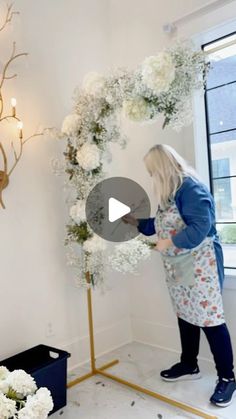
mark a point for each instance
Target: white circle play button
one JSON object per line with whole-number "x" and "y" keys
{"x": 109, "y": 201}
{"x": 117, "y": 210}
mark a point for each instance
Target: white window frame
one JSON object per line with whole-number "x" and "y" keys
{"x": 199, "y": 124}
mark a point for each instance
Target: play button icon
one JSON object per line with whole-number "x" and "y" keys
{"x": 109, "y": 201}
{"x": 117, "y": 210}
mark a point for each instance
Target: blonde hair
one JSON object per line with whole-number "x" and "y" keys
{"x": 168, "y": 170}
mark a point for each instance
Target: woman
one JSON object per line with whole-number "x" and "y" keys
{"x": 193, "y": 262}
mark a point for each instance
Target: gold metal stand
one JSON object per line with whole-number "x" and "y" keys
{"x": 100, "y": 370}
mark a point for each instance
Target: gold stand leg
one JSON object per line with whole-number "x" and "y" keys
{"x": 91, "y": 340}
{"x": 95, "y": 371}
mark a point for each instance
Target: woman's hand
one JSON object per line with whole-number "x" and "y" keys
{"x": 163, "y": 244}
{"x": 130, "y": 219}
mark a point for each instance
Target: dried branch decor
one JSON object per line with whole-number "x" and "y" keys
{"x": 5, "y": 172}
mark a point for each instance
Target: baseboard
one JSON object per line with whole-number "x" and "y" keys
{"x": 106, "y": 340}
{"x": 201, "y": 358}
{"x": 164, "y": 337}
{"x": 154, "y": 333}
{"x": 110, "y": 338}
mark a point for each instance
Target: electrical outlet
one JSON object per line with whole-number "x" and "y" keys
{"x": 49, "y": 330}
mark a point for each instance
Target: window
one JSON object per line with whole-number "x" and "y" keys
{"x": 220, "y": 106}
{"x": 222, "y": 189}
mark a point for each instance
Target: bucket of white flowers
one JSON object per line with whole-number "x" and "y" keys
{"x": 20, "y": 398}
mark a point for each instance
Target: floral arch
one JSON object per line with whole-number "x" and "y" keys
{"x": 162, "y": 85}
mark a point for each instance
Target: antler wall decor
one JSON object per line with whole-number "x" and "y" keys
{"x": 5, "y": 172}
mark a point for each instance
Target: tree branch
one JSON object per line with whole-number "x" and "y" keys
{"x": 22, "y": 143}
{"x": 9, "y": 117}
{"x": 17, "y": 157}
{"x": 9, "y": 15}
{"x": 4, "y": 174}
{"x": 11, "y": 59}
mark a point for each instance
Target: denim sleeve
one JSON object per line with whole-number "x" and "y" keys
{"x": 146, "y": 226}
{"x": 195, "y": 207}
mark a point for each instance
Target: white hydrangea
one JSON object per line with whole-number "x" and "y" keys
{"x": 27, "y": 413}
{"x": 94, "y": 84}
{"x": 21, "y": 382}
{"x": 71, "y": 125}
{"x": 4, "y": 387}
{"x": 137, "y": 109}
{"x": 37, "y": 406}
{"x": 158, "y": 72}
{"x": 88, "y": 156}
{"x": 4, "y": 372}
{"x": 94, "y": 244}
{"x": 127, "y": 255}
{"x": 7, "y": 407}
{"x": 77, "y": 212}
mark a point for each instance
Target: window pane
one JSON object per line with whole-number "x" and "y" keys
{"x": 220, "y": 167}
{"x": 221, "y": 72}
{"x": 223, "y": 62}
{"x": 221, "y": 108}
{"x": 223, "y": 154}
{"x": 230, "y": 272}
{"x": 229, "y": 256}
{"x": 225, "y": 199}
{"x": 221, "y": 105}
{"x": 227, "y": 233}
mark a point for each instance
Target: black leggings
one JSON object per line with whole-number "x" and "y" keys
{"x": 219, "y": 340}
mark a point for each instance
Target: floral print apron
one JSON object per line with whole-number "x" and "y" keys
{"x": 191, "y": 274}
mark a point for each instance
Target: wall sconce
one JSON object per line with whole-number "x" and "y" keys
{"x": 6, "y": 172}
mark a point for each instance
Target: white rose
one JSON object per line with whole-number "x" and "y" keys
{"x": 158, "y": 72}
{"x": 94, "y": 84}
{"x": 94, "y": 244}
{"x": 71, "y": 124}
{"x": 77, "y": 211}
{"x": 137, "y": 109}
{"x": 88, "y": 156}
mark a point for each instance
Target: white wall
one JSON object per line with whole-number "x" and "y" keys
{"x": 137, "y": 33}
{"x": 65, "y": 40}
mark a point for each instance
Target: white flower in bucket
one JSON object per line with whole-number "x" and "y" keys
{"x": 7, "y": 407}
{"x": 20, "y": 398}
{"x": 37, "y": 406}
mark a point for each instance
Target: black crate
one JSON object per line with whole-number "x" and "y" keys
{"x": 48, "y": 366}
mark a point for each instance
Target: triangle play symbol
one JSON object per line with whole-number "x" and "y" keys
{"x": 116, "y": 209}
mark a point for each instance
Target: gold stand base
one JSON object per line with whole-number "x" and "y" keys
{"x": 91, "y": 374}
{"x": 158, "y": 396}
{"x": 95, "y": 371}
